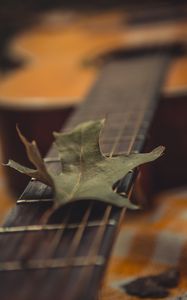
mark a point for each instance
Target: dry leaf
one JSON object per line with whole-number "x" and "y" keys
{"x": 86, "y": 172}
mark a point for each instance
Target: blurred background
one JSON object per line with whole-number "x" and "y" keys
{"x": 50, "y": 55}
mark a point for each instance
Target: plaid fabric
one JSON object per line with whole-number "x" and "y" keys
{"x": 150, "y": 243}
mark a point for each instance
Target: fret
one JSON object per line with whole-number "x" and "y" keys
{"x": 51, "y": 159}
{"x": 27, "y": 201}
{"x": 51, "y": 263}
{"x": 36, "y": 190}
{"x": 27, "y": 228}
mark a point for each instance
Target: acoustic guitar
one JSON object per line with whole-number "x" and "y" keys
{"x": 66, "y": 257}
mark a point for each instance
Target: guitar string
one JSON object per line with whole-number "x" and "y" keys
{"x": 96, "y": 244}
{"x": 108, "y": 208}
{"x": 78, "y": 234}
{"x": 101, "y": 230}
{"x": 58, "y": 234}
{"x": 58, "y": 237}
{"x": 23, "y": 255}
{"x": 82, "y": 277}
{"x": 80, "y": 230}
{"x": 103, "y": 220}
{"x": 49, "y": 252}
{"x": 27, "y": 252}
{"x": 76, "y": 242}
{"x": 134, "y": 136}
{"x": 75, "y": 245}
{"x": 77, "y": 238}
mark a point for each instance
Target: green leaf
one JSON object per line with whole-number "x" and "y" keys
{"x": 86, "y": 172}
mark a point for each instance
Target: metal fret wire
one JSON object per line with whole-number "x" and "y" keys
{"x": 51, "y": 227}
{"x": 51, "y": 263}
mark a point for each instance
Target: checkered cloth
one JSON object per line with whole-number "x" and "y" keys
{"x": 149, "y": 243}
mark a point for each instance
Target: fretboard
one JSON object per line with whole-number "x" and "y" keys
{"x": 66, "y": 258}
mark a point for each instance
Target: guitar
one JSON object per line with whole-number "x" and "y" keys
{"x": 66, "y": 258}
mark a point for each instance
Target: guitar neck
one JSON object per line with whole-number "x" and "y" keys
{"x": 66, "y": 258}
